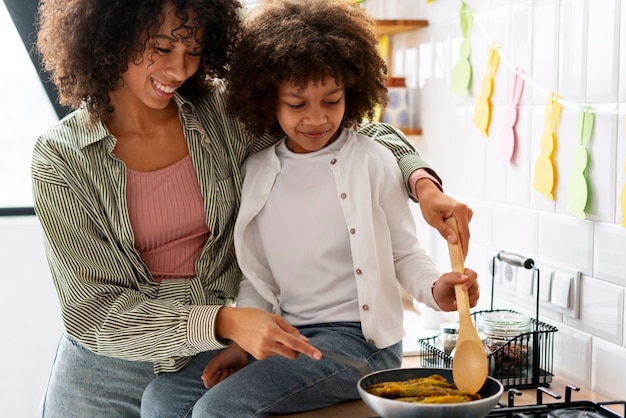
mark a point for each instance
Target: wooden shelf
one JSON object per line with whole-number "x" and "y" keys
{"x": 411, "y": 131}
{"x": 391, "y": 27}
{"x": 394, "y": 26}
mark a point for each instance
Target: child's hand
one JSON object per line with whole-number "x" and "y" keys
{"x": 444, "y": 294}
{"x": 223, "y": 365}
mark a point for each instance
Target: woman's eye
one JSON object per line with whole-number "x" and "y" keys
{"x": 161, "y": 50}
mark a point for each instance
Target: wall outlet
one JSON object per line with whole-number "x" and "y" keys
{"x": 509, "y": 275}
{"x": 545, "y": 284}
{"x": 525, "y": 281}
{"x": 558, "y": 288}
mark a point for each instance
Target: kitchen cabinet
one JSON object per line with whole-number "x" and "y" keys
{"x": 388, "y": 28}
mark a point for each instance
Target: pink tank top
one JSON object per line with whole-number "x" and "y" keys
{"x": 167, "y": 214}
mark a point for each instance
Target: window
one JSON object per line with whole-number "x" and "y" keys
{"x": 25, "y": 112}
{"x": 25, "y": 107}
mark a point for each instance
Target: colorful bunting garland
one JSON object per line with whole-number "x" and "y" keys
{"x": 545, "y": 171}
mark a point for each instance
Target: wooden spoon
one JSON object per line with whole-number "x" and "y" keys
{"x": 469, "y": 366}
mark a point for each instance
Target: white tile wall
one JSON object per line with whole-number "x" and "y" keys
{"x": 566, "y": 241}
{"x": 622, "y": 56}
{"x": 576, "y": 49}
{"x": 573, "y": 364}
{"x": 573, "y": 49}
{"x": 601, "y": 310}
{"x": 609, "y": 369}
{"x": 602, "y": 51}
{"x": 545, "y": 65}
{"x": 610, "y": 253}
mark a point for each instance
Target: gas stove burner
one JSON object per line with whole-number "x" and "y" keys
{"x": 567, "y": 408}
{"x": 573, "y": 413}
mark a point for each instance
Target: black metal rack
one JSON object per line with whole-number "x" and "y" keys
{"x": 525, "y": 361}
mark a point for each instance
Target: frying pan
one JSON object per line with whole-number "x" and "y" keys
{"x": 389, "y": 408}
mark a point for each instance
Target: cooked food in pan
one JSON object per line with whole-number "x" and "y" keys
{"x": 431, "y": 389}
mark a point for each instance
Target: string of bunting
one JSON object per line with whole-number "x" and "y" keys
{"x": 545, "y": 170}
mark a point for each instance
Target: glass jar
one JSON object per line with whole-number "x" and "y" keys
{"x": 446, "y": 340}
{"x": 508, "y": 340}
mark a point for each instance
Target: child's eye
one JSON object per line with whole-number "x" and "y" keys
{"x": 333, "y": 102}
{"x": 295, "y": 106}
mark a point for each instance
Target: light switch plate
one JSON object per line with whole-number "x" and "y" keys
{"x": 562, "y": 289}
{"x": 564, "y": 293}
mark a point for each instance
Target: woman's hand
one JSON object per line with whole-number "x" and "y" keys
{"x": 263, "y": 334}
{"x": 437, "y": 207}
{"x": 223, "y": 365}
{"x": 443, "y": 290}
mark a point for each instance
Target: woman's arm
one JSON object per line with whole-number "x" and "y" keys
{"x": 436, "y": 206}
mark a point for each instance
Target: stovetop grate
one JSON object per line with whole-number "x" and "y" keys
{"x": 541, "y": 409}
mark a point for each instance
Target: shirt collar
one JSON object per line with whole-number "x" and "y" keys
{"x": 97, "y": 131}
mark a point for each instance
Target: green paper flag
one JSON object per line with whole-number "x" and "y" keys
{"x": 546, "y": 173}
{"x": 462, "y": 70}
{"x": 578, "y": 189}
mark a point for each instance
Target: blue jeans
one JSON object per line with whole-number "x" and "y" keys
{"x": 275, "y": 385}
{"x": 83, "y": 384}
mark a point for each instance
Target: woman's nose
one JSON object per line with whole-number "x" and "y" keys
{"x": 179, "y": 69}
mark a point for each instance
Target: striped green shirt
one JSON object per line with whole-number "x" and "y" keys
{"x": 108, "y": 298}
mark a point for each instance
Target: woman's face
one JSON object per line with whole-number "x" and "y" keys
{"x": 311, "y": 116}
{"x": 171, "y": 56}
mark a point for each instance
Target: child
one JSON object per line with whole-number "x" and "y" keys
{"x": 324, "y": 233}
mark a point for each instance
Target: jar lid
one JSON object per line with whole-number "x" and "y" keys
{"x": 504, "y": 323}
{"x": 449, "y": 328}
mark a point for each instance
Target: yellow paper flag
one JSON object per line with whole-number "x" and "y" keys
{"x": 546, "y": 173}
{"x": 483, "y": 106}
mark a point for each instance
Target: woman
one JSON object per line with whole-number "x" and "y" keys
{"x": 137, "y": 192}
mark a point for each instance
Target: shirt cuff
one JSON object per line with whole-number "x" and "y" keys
{"x": 201, "y": 328}
{"x": 418, "y": 174}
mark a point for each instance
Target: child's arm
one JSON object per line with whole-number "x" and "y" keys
{"x": 224, "y": 364}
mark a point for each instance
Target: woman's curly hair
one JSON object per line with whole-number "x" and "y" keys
{"x": 86, "y": 45}
{"x": 302, "y": 41}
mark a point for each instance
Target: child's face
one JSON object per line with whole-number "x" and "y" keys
{"x": 310, "y": 117}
